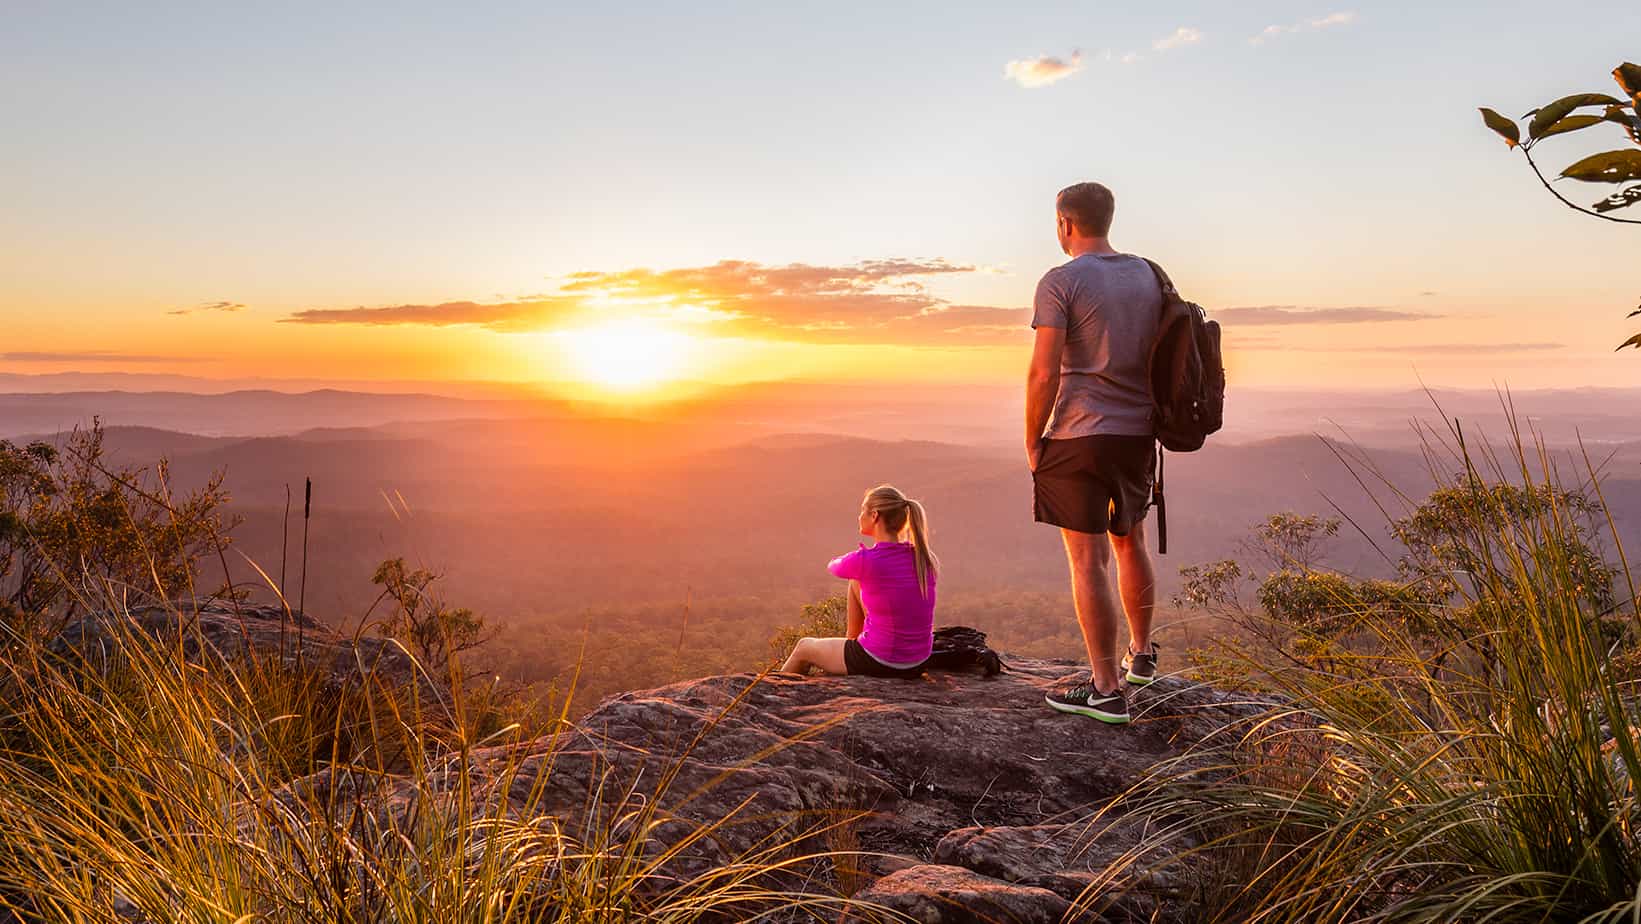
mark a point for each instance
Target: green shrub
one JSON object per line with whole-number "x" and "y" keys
{"x": 820, "y": 619}
{"x": 68, "y": 518}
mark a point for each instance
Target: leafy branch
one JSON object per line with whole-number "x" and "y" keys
{"x": 1613, "y": 167}
{"x": 1563, "y": 117}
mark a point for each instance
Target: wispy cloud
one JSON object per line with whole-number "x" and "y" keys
{"x": 875, "y": 301}
{"x": 1332, "y": 20}
{"x": 1288, "y": 314}
{"x": 91, "y": 356}
{"x": 528, "y": 314}
{"x": 1184, "y": 35}
{"x": 1043, "y": 70}
{"x": 1266, "y": 343}
{"x": 226, "y": 307}
{"x": 1456, "y": 349}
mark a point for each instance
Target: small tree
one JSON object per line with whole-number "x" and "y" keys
{"x": 1616, "y": 167}
{"x": 821, "y": 619}
{"x": 1300, "y": 609}
{"x": 423, "y": 622}
{"x": 68, "y": 518}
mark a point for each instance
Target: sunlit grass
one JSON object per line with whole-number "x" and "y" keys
{"x": 142, "y": 784}
{"x": 1407, "y": 782}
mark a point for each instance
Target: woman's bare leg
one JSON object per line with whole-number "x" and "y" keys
{"x": 857, "y": 612}
{"x": 823, "y": 653}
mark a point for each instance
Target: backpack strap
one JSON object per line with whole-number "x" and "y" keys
{"x": 1162, "y": 278}
{"x": 1160, "y": 501}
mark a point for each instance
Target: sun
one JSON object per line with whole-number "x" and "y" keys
{"x": 628, "y": 355}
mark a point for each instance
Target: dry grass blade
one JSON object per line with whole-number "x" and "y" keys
{"x": 1488, "y": 777}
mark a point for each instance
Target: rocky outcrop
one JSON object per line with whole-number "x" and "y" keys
{"x": 972, "y": 800}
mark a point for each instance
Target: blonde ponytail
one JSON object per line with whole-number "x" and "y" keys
{"x": 927, "y": 564}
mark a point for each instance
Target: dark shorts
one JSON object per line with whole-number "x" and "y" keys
{"x": 857, "y": 661}
{"x": 1095, "y": 484}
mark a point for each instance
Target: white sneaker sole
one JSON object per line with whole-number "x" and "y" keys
{"x": 1135, "y": 680}
{"x": 1106, "y": 717}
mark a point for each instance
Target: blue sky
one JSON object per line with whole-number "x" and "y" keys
{"x": 302, "y": 157}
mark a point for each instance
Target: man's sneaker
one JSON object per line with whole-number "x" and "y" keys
{"x": 1083, "y": 699}
{"x": 1141, "y": 668}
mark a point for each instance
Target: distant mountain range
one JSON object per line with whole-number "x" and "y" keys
{"x": 539, "y": 506}
{"x": 970, "y": 414}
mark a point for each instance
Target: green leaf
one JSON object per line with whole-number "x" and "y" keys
{"x": 1554, "y": 112}
{"x": 1629, "y": 77}
{"x": 1506, "y": 129}
{"x": 1631, "y": 121}
{"x": 1572, "y": 123}
{"x": 1633, "y": 341}
{"x": 1619, "y": 200}
{"x": 1607, "y": 167}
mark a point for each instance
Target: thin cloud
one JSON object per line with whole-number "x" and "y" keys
{"x": 743, "y": 278}
{"x": 1184, "y": 35}
{"x": 1288, "y": 314}
{"x": 875, "y": 301}
{"x": 1315, "y": 24}
{"x": 91, "y": 356}
{"x": 1041, "y": 71}
{"x": 506, "y": 317}
{"x": 225, "y": 307}
{"x": 1260, "y": 344}
{"x": 1461, "y": 348}
{"x": 797, "y": 298}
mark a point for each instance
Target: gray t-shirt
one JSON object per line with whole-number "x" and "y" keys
{"x": 1109, "y": 305}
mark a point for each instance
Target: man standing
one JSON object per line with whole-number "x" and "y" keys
{"x": 1090, "y": 441}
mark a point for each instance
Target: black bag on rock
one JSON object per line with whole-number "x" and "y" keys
{"x": 960, "y": 648}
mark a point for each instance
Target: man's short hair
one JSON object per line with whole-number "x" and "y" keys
{"x": 1089, "y": 206}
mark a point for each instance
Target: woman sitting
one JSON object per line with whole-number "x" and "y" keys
{"x": 891, "y": 596}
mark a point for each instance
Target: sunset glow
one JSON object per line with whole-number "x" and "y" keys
{"x": 627, "y": 355}
{"x": 862, "y": 209}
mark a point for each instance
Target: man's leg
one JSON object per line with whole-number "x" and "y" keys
{"x": 1089, "y": 555}
{"x": 856, "y": 613}
{"x": 1137, "y": 577}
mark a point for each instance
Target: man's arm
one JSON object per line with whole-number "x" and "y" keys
{"x": 1042, "y": 387}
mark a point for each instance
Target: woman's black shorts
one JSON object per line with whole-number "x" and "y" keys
{"x": 1093, "y": 484}
{"x": 857, "y": 661}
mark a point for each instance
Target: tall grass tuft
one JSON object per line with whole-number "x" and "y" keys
{"x": 1411, "y": 777}
{"x": 142, "y": 786}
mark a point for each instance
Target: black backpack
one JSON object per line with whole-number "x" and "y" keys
{"x": 960, "y": 648}
{"x": 1187, "y": 373}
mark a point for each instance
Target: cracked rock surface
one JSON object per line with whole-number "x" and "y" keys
{"x": 980, "y": 802}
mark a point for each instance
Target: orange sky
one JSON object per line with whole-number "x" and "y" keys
{"x": 754, "y": 322}
{"x": 455, "y": 195}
